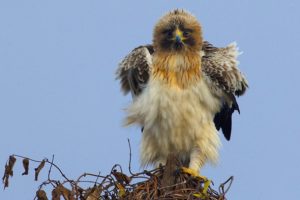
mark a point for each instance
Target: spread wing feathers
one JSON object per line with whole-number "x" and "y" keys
{"x": 133, "y": 71}
{"x": 219, "y": 67}
{"x": 220, "y": 70}
{"x": 223, "y": 119}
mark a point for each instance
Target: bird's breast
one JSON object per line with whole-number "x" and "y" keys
{"x": 173, "y": 119}
{"x": 176, "y": 118}
{"x": 177, "y": 70}
{"x": 182, "y": 106}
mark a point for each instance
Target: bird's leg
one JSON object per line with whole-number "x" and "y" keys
{"x": 196, "y": 162}
{"x": 195, "y": 174}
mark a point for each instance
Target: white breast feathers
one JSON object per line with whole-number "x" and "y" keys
{"x": 176, "y": 120}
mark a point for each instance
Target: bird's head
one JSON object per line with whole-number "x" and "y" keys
{"x": 177, "y": 31}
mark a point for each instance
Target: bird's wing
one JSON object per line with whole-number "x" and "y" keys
{"x": 133, "y": 71}
{"x": 219, "y": 66}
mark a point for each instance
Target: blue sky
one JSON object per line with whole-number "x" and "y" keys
{"x": 58, "y": 93}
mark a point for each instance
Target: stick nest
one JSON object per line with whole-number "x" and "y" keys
{"x": 165, "y": 182}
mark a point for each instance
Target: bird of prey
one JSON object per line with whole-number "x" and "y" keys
{"x": 183, "y": 92}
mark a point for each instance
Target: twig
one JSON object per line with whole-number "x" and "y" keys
{"x": 129, "y": 167}
{"x": 49, "y": 172}
{"x": 221, "y": 187}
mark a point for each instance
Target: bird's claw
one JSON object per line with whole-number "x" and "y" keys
{"x": 195, "y": 174}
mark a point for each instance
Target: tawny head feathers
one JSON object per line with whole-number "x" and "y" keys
{"x": 176, "y": 31}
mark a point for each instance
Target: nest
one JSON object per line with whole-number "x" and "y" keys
{"x": 165, "y": 182}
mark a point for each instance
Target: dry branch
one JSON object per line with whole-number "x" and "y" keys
{"x": 165, "y": 182}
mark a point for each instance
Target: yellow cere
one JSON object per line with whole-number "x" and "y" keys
{"x": 179, "y": 33}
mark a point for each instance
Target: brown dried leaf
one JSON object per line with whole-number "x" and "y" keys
{"x": 55, "y": 194}
{"x": 94, "y": 193}
{"x": 41, "y": 195}
{"x": 66, "y": 193}
{"x": 38, "y": 169}
{"x": 8, "y": 170}
{"x": 122, "y": 190}
{"x": 5, "y": 177}
{"x": 121, "y": 178}
{"x": 26, "y": 166}
{"x": 11, "y": 163}
{"x": 60, "y": 190}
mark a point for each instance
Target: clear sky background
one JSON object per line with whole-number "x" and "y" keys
{"x": 58, "y": 93}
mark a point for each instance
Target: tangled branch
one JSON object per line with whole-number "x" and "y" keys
{"x": 165, "y": 182}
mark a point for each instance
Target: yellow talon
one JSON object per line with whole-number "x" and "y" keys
{"x": 193, "y": 173}
{"x": 122, "y": 191}
{"x": 199, "y": 195}
{"x": 203, "y": 194}
{"x": 205, "y": 186}
{"x": 197, "y": 175}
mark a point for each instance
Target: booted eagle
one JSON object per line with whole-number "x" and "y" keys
{"x": 183, "y": 92}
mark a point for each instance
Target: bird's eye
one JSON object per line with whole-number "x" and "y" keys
{"x": 187, "y": 32}
{"x": 168, "y": 32}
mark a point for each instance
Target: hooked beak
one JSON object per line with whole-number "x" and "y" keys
{"x": 178, "y": 35}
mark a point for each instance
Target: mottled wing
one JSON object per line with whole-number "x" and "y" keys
{"x": 219, "y": 66}
{"x": 133, "y": 71}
